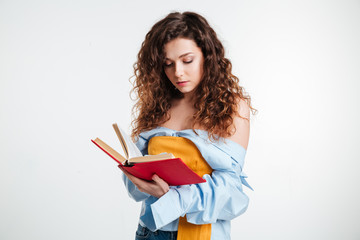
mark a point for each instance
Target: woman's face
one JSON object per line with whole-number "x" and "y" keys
{"x": 183, "y": 64}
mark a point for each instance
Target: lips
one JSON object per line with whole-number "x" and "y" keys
{"x": 182, "y": 83}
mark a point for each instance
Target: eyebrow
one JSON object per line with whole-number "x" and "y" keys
{"x": 182, "y": 55}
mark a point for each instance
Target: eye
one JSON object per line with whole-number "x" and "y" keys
{"x": 188, "y": 60}
{"x": 168, "y": 64}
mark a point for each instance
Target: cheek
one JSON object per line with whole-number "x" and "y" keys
{"x": 169, "y": 74}
{"x": 197, "y": 71}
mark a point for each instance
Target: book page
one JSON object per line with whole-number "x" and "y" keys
{"x": 109, "y": 150}
{"x": 149, "y": 158}
{"x": 121, "y": 139}
{"x": 133, "y": 151}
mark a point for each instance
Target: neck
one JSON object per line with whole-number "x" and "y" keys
{"x": 189, "y": 98}
{"x": 187, "y": 101}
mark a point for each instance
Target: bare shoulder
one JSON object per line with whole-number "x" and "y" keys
{"x": 242, "y": 124}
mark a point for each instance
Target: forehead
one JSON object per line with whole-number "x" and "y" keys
{"x": 180, "y": 46}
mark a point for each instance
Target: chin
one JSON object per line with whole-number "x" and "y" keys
{"x": 187, "y": 91}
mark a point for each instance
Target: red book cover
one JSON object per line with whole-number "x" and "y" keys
{"x": 173, "y": 171}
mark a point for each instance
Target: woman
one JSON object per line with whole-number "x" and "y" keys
{"x": 190, "y": 104}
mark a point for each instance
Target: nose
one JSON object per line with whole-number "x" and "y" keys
{"x": 179, "y": 70}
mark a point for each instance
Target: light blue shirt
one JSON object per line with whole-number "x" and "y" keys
{"x": 217, "y": 201}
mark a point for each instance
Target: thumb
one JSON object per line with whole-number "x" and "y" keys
{"x": 157, "y": 179}
{"x": 162, "y": 185}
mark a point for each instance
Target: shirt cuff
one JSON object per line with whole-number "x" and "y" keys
{"x": 167, "y": 208}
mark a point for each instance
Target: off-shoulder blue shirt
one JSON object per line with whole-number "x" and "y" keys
{"x": 217, "y": 201}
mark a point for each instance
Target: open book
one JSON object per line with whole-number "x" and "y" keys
{"x": 171, "y": 169}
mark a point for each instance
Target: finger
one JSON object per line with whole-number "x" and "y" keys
{"x": 159, "y": 181}
{"x": 131, "y": 177}
{"x": 135, "y": 180}
{"x": 125, "y": 172}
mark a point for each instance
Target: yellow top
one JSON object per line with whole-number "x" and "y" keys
{"x": 185, "y": 149}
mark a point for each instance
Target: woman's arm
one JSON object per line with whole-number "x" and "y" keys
{"x": 221, "y": 197}
{"x": 242, "y": 125}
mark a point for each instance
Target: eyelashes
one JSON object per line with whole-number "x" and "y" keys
{"x": 171, "y": 64}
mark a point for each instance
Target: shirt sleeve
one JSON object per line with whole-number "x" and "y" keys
{"x": 221, "y": 197}
{"x": 133, "y": 191}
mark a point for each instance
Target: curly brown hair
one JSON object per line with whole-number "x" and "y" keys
{"x": 216, "y": 106}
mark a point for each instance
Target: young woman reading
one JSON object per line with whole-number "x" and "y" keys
{"x": 189, "y": 104}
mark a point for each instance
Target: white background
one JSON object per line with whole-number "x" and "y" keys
{"x": 64, "y": 70}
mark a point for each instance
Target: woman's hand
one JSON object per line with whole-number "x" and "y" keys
{"x": 156, "y": 188}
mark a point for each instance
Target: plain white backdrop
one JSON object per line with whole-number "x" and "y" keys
{"x": 64, "y": 70}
